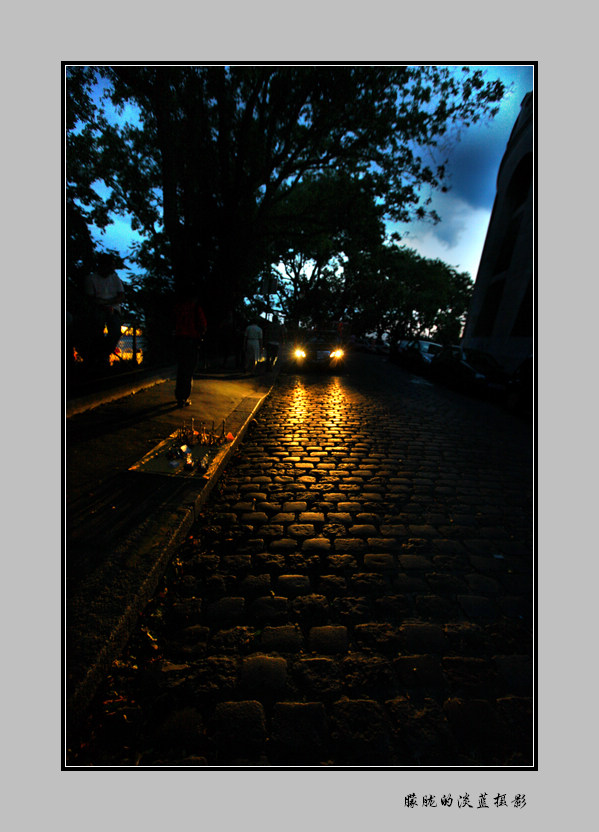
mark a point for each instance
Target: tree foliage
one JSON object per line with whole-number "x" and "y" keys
{"x": 396, "y": 290}
{"x": 230, "y": 169}
{"x": 324, "y": 222}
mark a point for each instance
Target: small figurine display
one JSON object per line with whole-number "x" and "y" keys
{"x": 188, "y": 434}
{"x": 188, "y": 437}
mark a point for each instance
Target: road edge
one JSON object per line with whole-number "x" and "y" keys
{"x": 155, "y": 542}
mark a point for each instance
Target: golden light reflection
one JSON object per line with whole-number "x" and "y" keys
{"x": 129, "y": 330}
{"x": 299, "y": 404}
{"x": 330, "y": 406}
{"x": 335, "y": 402}
{"x": 125, "y": 355}
{"x": 124, "y": 349}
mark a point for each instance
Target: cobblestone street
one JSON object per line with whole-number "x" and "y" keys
{"x": 359, "y": 591}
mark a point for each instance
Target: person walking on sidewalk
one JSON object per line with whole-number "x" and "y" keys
{"x": 106, "y": 291}
{"x": 252, "y": 347}
{"x": 275, "y": 341}
{"x": 190, "y": 328}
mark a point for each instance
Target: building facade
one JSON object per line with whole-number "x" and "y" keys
{"x": 501, "y": 314}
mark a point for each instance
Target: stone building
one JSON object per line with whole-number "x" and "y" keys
{"x": 501, "y": 315}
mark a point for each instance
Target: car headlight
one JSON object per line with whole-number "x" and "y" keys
{"x": 299, "y": 353}
{"x": 337, "y": 354}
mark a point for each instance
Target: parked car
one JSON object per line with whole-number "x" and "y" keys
{"x": 520, "y": 389}
{"x": 381, "y": 348}
{"x": 468, "y": 371}
{"x": 324, "y": 350}
{"x": 416, "y": 355}
{"x": 496, "y": 377}
{"x": 449, "y": 367}
{"x": 366, "y": 345}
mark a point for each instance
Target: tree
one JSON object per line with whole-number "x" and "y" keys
{"x": 82, "y": 160}
{"x": 83, "y": 205}
{"x": 430, "y": 298}
{"x": 152, "y": 296}
{"x": 397, "y": 291}
{"x": 451, "y": 316}
{"x": 220, "y": 150}
{"x": 323, "y": 222}
{"x": 375, "y": 290}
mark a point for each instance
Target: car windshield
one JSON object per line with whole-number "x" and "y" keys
{"x": 449, "y": 352}
{"x": 435, "y": 349}
{"x": 481, "y": 360}
{"x": 324, "y": 338}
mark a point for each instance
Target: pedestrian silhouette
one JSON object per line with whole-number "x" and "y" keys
{"x": 253, "y": 347}
{"x": 105, "y": 290}
{"x": 190, "y": 328}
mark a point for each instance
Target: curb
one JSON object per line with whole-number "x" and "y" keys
{"x": 142, "y": 560}
{"x": 83, "y": 403}
{"x": 222, "y": 457}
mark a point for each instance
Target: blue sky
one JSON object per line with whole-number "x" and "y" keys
{"x": 473, "y": 164}
{"x": 465, "y": 210}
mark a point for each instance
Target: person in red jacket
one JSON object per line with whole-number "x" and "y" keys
{"x": 190, "y": 328}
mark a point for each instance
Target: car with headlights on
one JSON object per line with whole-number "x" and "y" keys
{"x": 325, "y": 350}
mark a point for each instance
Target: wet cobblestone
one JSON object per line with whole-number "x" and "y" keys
{"x": 357, "y": 592}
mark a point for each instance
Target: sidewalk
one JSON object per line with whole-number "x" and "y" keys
{"x": 122, "y": 526}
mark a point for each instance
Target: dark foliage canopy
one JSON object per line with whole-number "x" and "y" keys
{"x": 229, "y": 169}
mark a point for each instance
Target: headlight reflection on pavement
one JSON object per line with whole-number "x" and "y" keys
{"x": 332, "y": 397}
{"x": 336, "y": 402}
{"x": 299, "y": 405}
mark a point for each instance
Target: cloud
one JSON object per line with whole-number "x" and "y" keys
{"x": 473, "y": 168}
{"x": 475, "y": 157}
{"x": 458, "y": 239}
{"x": 455, "y": 214}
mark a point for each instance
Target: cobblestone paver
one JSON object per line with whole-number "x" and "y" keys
{"x": 358, "y": 592}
